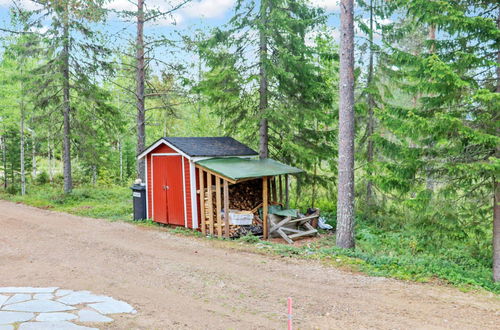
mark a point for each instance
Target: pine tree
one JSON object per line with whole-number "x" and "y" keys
{"x": 142, "y": 16}
{"x": 345, "y": 197}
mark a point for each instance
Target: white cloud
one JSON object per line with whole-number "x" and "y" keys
{"x": 26, "y": 4}
{"x": 121, "y": 5}
{"x": 328, "y": 5}
{"x": 207, "y": 8}
{"x": 193, "y": 9}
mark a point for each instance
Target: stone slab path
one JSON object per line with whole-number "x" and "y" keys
{"x": 51, "y": 308}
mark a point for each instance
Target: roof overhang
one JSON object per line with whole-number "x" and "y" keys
{"x": 235, "y": 169}
{"x": 193, "y": 158}
{"x": 157, "y": 144}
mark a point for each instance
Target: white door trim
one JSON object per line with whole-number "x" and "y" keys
{"x": 184, "y": 192}
{"x": 159, "y": 142}
{"x": 194, "y": 199}
{"x": 147, "y": 187}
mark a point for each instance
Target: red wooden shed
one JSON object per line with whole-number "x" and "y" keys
{"x": 172, "y": 177}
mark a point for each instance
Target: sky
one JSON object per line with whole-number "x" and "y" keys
{"x": 211, "y": 12}
{"x": 196, "y": 15}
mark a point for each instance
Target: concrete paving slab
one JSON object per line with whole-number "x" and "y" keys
{"x": 80, "y": 297}
{"x": 18, "y": 297}
{"x": 3, "y": 299}
{"x": 6, "y": 327}
{"x": 63, "y": 325}
{"x": 26, "y": 289}
{"x": 13, "y": 317}
{"x": 60, "y": 293}
{"x": 112, "y": 307}
{"x": 38, "y": 306}
{"x": 51, "y": 317}
{"x": 91, "y": 316}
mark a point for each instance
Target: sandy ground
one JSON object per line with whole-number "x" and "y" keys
{"x": 180, "y": 282}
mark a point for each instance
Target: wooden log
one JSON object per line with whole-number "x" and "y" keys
{"x": 210, "y": 204}
{"x": 202, "y": 202}
{"x": 265, "y": 203}
{"x": 218, "y": 209}
{"x": 226, "y": 209}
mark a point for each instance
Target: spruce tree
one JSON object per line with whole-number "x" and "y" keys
{"x": 451, "y": 129}
{"x": 73, "y": 54}
{"x": 267, "y": 74}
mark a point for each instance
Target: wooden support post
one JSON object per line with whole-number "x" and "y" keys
{"x": 280, "y": 186}
{"x": 287, "y": 191}
{"x": 210, "y": 205}
{"x": 203, "y": 217}
{"x": 218, "y": 208}
{"x": 226, "y": 209}
{"x": 265, "y": 202}
{"x": 274, "y": 195}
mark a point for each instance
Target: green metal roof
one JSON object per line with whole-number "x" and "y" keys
{"x": 236, "y": 168}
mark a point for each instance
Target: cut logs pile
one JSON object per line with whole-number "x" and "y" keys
{"x": 244, "y": 196}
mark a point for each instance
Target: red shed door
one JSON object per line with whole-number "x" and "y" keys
{"x": 168, "y": 192}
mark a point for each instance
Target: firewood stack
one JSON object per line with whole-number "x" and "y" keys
{"x": 245, "y": 195}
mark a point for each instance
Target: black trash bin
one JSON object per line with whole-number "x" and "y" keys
{"x": 139, "y": 197}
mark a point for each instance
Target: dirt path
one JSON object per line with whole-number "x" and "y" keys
{"x": 177, "y": 282}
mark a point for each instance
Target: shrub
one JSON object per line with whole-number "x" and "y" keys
{"x": 249, "y": 238}
{"x": 12, "y": 189}
{"x": 42, "y": 178}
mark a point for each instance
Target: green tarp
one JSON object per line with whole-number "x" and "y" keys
{"x": 236, "y": 168}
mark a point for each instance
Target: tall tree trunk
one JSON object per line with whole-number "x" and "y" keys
{"x": 94, "y": 174}
{"x": 496, "y": 193}
{"x": 345, "y": 196}
{"x": 23, "y": 115}
{"x": 4, "y": 161}
{"x": 496, "y": 227}
{"x": 429, "y": 180}
{"x": 371, "y": 119}
{"x": 140, "y": 81}
{"x": 50, "y": 157}
{"x": 120, "y": 150}
{"x": 314, "y": 190}
{"x": 33, "y": 153}
{"x": 68, "y": 181}
{"x": 263, "y": 88}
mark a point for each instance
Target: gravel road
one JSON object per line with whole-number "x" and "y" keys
{"x": 183, "y": 282}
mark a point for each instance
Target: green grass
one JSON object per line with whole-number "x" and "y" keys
{"x": 419, "y": 267}
{"x": 113, "y": 202}
{"x": 378, "y": 253}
